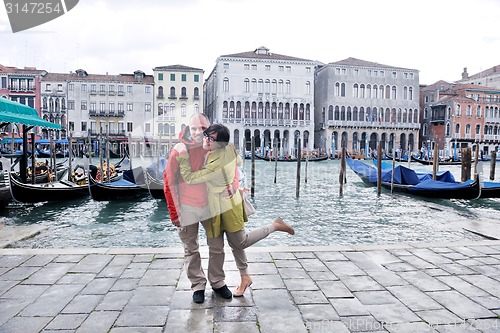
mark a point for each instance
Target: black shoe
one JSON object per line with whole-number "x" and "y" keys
{"x": 223, "y": 292}
{"x": 199, "y": 296}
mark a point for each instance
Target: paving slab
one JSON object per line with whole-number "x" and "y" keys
{"x": 414, "y": 287}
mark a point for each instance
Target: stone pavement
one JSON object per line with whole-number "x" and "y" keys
{"x": 393, "y": 288}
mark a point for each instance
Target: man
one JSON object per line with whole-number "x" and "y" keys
{"x": 188, "y": 205}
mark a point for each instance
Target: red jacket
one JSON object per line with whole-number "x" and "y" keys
{"x": 176, "y": 190}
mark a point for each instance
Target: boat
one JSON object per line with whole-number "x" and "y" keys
{"x": 292, "y": 158}
{"x": 401, "y": 159}
{"x": 154, "y": 178}
{"x": 61, "y": 190}
{"x": 431, "y": 162}
{"x": 407, "y": 181}
{"x": 120, "y": 189}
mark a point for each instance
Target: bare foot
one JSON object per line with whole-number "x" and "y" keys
{"x": 280, "y": 225}
{"x": 246, "y": 281}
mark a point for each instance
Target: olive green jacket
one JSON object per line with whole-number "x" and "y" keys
{"x": 218, "y": 172}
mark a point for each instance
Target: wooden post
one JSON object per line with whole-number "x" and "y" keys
{"x": 435, "y": 161}
{"x": 100, "y": 156}
{"x": 275, "y": 152}
{"x": 307, "y": 162}
{"x": 493, "y": 164}
{"x": 33, "y": 158}
{"x": 70, "y": 156}
{"x": 108, "y": 169}
{"x": 299, "y": 157}
{"x": 252, "y": 180}
{"x": 342, "y": 176}
{"x": 476, "y": 159}
{"x": 466, "y": 164}
{"x": 393, "y": 166}
{"x": 379, "y": 168}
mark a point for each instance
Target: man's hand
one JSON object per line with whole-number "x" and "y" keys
{"x": 177, "y": 223}
{"x": 180, "y": 148}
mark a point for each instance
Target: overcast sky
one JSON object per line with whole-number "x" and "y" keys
{"x": 437, "y": 37}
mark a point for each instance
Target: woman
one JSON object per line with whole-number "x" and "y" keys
{"x": 228, "y": 214}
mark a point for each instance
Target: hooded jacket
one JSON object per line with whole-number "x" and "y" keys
{"x": 176, "y": 190}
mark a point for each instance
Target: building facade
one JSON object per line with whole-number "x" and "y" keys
{"x": 458, "y": 116}
{"x": 265, "y": 96}
{"x": 120, "y": 106}
{"x": 22, "y": 86}
{"x": 360, "y": 104}
{"x": 178, "y": 95}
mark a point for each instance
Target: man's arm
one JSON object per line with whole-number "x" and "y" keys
{"x": 170, "y": 181}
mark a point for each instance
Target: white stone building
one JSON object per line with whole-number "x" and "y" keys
{"x": 263, "y": 95}
{"x": 178, "y": 95}
{"x": 362, "y": 103}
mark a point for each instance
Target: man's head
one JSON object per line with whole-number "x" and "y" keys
{"x": 197, "y": 124}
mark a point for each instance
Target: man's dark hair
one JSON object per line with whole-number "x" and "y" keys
{"x": 222, "y": 132}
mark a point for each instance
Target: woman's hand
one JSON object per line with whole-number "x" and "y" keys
{"x": 180, "y": 148}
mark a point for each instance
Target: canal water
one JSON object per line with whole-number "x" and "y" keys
{"x": 319, "y": 215}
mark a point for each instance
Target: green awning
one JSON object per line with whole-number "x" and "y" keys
{"x": 13, "y": 112}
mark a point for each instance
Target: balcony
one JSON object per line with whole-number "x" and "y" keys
{"x": 102, "y": 92}
{"x": 183, "y": 97}
{"x": 196, "y": 97}
{"x": 160, "y": 96}
{"x": 121, "y": 93}
{"x": 93, "y": 92}
{"x": 111, "y": 93}
{"x": 172, "y": 97}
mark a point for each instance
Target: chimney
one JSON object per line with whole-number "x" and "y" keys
{"x": 465, "y": 75}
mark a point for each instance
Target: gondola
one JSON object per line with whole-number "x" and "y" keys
{"x": 154, "y": 178}
{"x": 290, "y": 158}
{"x": 121, "y": 189}
{"x": 430, "y": 162}
{"x": 406, "y": 180}
{"x": 61, "y": 190}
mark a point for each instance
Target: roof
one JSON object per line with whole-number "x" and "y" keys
{"x": 363, "y": 63}
{"x": 13, "y": 112}
{"x": 125, "y": 78}
{"x": 262, "y": 53}
{"x": 181, "y": 68}
{"x": 487, "y": 72}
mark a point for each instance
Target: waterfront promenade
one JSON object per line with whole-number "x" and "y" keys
{"x": 406, "y": 288}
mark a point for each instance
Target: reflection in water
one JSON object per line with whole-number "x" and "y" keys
{"x": 319, "y": 215}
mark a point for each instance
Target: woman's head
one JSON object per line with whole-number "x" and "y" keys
{"x": 216, "y": 136}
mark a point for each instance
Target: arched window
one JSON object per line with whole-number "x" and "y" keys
{"x": 457, "y": 129}
{"x": 368, "y": 91}
{"x": 337, "y": 112}
{"x": 224, "y": 109}
{"x": 172, "y": 91}
{"x": 288, "y": 88}
{"x": 410, "y": 93}
{"x": 478, "y": 129}
{"x": 448, "y": 129}
{"x": 362, "y": 91}
{"x": 458, "y": 110}
{"x": 308, "y": 88}
{"x": 355, "y": 90}
{"x": 267, "y": 86}
{"x": 337, "y": 89}
{"x": 261, "y": 86}
{"x": 183, "y": 92}
{"x": 183, "y": 110}
{"x": 342, "y": 90}
{"x": 225, "y": 84}
{"x": 160, "y": 92}
{"x": 274, "y": 86}
{"x": 160, "y": 109}
{"x": 478, "y": 111}
{"x": 254, "y": 85}
{"x": 330, "y": 112}
{"x": 393, "y": 92}
{"x": 247, "y": 85}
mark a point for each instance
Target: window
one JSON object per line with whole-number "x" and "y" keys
{"x": 394, "y": 75}
{"x": 47, "y": 87}
{"x": 111, "y": 88}
{"x": 196, "y": 78}
{"x": 254, "y": 67}
{"x": 225, "y": 84}
{"x": 478, "y": 129}
{"x": 130, "y": 126}
{"x": 59, "y": 88}
{"x": 308, "y": 69}
{"x": 120, "y": 107}
{"x": 183, "y": 110}
{"x": 254, "y": 85}
{"x": 129, "y": 89}
{"x": 172, "y": 92}
{"x": 393, "y": 90}
{"x": 261, "y": 85}
{"x": 93, "y": 88}
{"x": 92, "y": 106}
{"x": 4, "y": 83}
{"x": 196, "y": 92}
{"x": 83, "y": 105}
{"x": 120, "y": 89}
{"x": 478, "y": 111}
{"x": 102, "y": 88}
{"x": 160, "y": 76}
{"x": 246, "y": 67}
{"x": 172, "y": 77}
{"x": 130, "y": 106}
{"x": 246, "y": 85}
{"x": 112, "y": 107}
{"x": 458, "y": 111}
{"x": 268, "y": 67}
{"x": 71, "y": 105}
{"x": 147, "y": 107}
{"x": 183, "y": 77}
{"x": 147, "y": 127}
{"x": 226, "y": 65}
{"x": 84, "y": 125}
{"x": 337, "y": 88}
{"x": 196, "y": 108}
{"x": 308, "y": 88}
{"x": 102, "y": 106}
{"x": 342, "y": 90}
{"x": 288, "y": 68}
{"x": 281, "y": 68}
{"x": 288, "y": 88}
{"x": 355, "y": 90}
